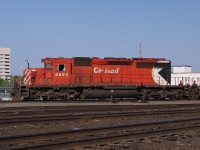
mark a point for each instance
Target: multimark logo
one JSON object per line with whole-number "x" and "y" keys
{"x": 106, "y": 70}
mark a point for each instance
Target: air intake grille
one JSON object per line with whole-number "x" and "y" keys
{"x": 82, "y": 61}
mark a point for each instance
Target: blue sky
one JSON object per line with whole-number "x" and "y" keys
{"x": 35, "y": 29}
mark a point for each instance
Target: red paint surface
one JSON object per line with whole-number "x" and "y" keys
{"x": 99, "y": 73}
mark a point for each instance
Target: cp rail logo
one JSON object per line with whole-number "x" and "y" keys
{"x": 106, "y": 70}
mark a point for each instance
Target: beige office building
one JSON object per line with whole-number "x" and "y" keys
{"x": 5, "y": 63}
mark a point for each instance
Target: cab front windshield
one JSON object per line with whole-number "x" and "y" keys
{"x": 47, "y": 66}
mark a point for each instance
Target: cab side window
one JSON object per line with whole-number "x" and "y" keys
{"x": 61, "y": 67}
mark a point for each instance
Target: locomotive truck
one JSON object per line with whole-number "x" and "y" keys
{"x": 100, "y": 78}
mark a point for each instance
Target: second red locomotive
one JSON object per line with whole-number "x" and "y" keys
{"x": 85, "y": 78}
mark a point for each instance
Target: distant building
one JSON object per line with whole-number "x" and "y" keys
{"x": 182, "y": 69}
{"x": 5, "y": 93}
{"x": 5, "y": 63}
{"x": 183, "y": 75}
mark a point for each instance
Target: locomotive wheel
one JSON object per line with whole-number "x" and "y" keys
{"x": 143, "y": 96}
{"x": 179, "y": 96}
{"x": 114, "y": 101}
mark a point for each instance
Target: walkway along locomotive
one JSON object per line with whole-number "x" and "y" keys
{"x": 99, "y": 78}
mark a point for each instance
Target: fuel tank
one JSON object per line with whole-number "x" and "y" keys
{"x": 101, "y": 93}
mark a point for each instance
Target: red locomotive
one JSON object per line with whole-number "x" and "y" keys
{"x": 86, "y": 78}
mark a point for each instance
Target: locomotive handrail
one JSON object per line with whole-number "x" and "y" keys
{"x": 185, "y": 80}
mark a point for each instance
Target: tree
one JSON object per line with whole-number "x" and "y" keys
{"x": 1, "y": 81}
{"x": 14, "y": 81}
{"x": 5, "y": 83}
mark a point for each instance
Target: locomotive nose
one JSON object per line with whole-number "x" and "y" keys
{"x": 29, "y": 76}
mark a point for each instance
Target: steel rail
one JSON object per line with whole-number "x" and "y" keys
{"x": 10, "y": 111}
{"x": 71, "y": 117}
{"x": 79, "y": 144}
{"x": 195, "y": 121}
{"x": 170, "y": 105}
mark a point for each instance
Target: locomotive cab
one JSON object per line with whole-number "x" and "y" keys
{"x": 56, "y": 71}
{"x": 48, "y": 69}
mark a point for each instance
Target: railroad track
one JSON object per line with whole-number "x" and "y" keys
{"x": 41, "y": 110}
{"x": 17, "y": 120}
{"x": 87, "y": 137}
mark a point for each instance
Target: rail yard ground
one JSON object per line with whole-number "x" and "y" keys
{"x": 166, "y": 125}
{"x": 90, "y": 102}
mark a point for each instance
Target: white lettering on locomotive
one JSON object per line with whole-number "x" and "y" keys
{"x": 59, "y": 74}
{"x": 106, "y": 70}
{"x": 98, "y": 70}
